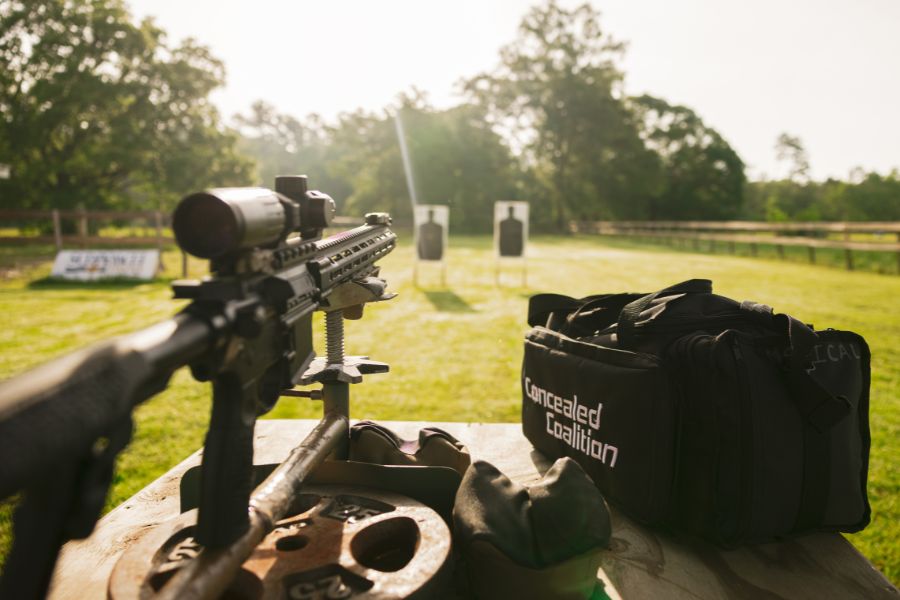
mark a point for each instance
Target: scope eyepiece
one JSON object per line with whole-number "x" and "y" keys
{"x": 222, "y": 221}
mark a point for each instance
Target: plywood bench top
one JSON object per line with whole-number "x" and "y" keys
{"x": 641, "y": 563}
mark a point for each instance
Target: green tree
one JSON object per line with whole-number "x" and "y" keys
{"x": 704, "y": 176}
{"x": 459, "y": 161}
{"x": 866, "y": 197}
{"x": 790, "y": 149}
{"x": 96, "y": 110}
{"x": 456, "y": 157}
{"x": 784, "y": 200}
{"x": 281, "y": 144}
{"x": 356, "y": 160}
{"x": 361, "y": 166}
{"x": 557, "y": 94}
{"x": 875, "y": 198}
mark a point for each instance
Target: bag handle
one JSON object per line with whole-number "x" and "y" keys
{"x": 632, "y": 311}
{"x": 567, "y": 315}
{"x": 541, "y": 306}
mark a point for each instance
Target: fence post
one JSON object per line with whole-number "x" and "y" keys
{"x": 812, "y": 254}
{"x": 753, "y": 248}
{"x": 780, "y": 249}
{"x": 57, "y": 230}
{"x": 157, "y": 218}
{"x": 82, "y": 226}
{"x": 848, "y": 256}
{"x": 898, "y": 255}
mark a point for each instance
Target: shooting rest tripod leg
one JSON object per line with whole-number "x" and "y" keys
{"x": 336, "y": 401}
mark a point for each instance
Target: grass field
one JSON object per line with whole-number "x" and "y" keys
{"x": 455, "y": 351}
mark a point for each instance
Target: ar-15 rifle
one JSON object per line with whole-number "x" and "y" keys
{"x": 248, "y": 330}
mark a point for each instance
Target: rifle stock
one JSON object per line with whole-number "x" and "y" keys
{"x": 63, "y": 407}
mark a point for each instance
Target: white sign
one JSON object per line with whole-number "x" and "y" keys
{"x": 89, "y": 265}
{"x": 510, "y": 229}
{"x": 431, "y": 224}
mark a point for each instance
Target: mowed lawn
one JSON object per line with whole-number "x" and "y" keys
{"x": 455, "y": 350}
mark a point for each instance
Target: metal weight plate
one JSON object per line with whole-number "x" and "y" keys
{"x": 338, "y": 542}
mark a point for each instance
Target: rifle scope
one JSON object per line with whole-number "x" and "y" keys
{"x": 221, "y": 222}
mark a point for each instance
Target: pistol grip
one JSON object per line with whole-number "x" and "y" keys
{"x": 226, "y": 477}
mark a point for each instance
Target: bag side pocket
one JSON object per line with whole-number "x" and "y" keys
{"x": 610, "y": 410}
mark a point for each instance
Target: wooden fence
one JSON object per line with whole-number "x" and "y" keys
{"x": 155, "y": 225}
{"x": 809, "y": 235}
{"x": 156, "y": 221}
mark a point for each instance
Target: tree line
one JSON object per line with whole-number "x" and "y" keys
{"x": 862, "y": 197}
{"x": 99, "y": 111}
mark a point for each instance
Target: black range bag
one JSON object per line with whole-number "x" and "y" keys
{"x": 715, "y": 417}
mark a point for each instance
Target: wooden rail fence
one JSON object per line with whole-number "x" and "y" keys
{"x": 157, "y": 222}
{"x": 810, "y": 235}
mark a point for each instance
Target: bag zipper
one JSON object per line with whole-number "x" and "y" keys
{"x": 746, "y": 440}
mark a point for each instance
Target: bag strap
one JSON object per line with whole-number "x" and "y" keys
{"x": 817, "y": 405}
{"x": 541, "y": 306}
{"x": 632, "y": 311}
{"x": 821, "y": 410}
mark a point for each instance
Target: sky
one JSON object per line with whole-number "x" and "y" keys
{"x": 827, "y": 71}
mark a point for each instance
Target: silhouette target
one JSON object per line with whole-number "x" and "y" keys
{"x": 512, "y": 235}
{"x": 431, "y": 239}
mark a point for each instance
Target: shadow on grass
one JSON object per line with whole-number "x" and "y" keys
{"x": 118, "y": 283}
{"x": 447, "y": 301}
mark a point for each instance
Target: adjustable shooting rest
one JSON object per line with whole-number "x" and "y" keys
{"x": 359, "y": 541}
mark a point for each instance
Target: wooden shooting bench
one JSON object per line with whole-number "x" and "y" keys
{"x": 641, "y": 563}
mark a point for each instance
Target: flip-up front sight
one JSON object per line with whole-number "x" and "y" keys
{"x": 223, "y": 221}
